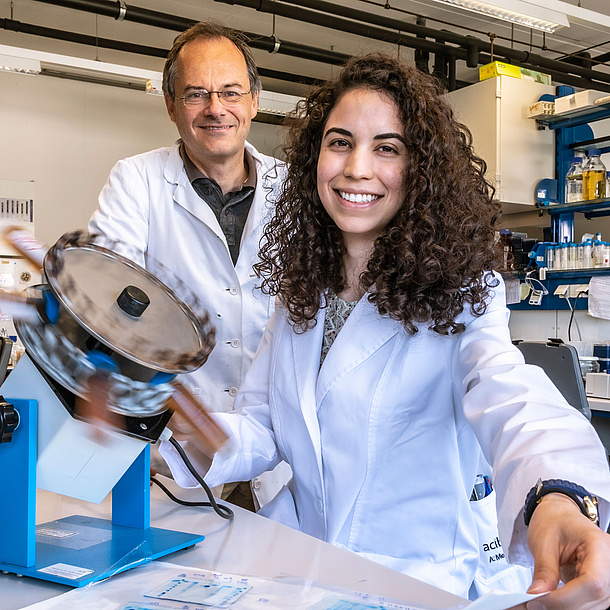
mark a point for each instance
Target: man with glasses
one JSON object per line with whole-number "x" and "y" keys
{"x": 199, "y": 207}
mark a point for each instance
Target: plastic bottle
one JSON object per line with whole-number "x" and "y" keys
{"x": 598, "y": 251}
{"x": 550, "y": 258}
{"x": 563, "y": 256}
{"x": 574, "y": 181}
{"x": 587, "y": 254}
{"x": 580, "y": 256}
{"x": 594, "y": 176}
{"x": 571, "y": 255}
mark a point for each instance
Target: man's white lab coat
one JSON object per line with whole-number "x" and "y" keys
{"x": 149, "y": 205}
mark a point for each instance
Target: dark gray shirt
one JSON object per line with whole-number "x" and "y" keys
{"x": 231, "y": 210}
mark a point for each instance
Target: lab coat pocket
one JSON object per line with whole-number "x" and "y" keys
{"x": 494, "y": 573}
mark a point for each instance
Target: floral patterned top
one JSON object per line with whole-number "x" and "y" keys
{"x": 337, "y": 312}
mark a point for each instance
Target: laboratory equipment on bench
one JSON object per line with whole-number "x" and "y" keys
{"x": 105, "y": 340}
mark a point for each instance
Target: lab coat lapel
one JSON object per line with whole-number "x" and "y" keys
{"x": 306, "y": 348}
{"x": 363, "y": 333}
{"x": 262, "y": 209}
{"x": 185, "y": 196}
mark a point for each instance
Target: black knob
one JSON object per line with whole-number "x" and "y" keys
{"x": 9, "y": 419}
{"x": 133, "y": 301}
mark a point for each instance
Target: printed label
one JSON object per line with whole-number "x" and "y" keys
{"x": 64, "y": 570}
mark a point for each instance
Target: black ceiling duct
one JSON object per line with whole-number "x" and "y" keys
{"x": 468, "y": 48}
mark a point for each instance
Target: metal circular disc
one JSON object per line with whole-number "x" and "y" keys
{"x": 87, "y": 278}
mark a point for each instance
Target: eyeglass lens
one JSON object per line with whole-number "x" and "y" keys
{"x": 203, "y": 97}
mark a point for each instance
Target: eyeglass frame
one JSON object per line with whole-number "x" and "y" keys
{"x": 207, "y": 97}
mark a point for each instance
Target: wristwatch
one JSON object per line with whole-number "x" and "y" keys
{"x": 584, "y": 500}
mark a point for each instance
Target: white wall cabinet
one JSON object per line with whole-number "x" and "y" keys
{"x": 517, "y": 153}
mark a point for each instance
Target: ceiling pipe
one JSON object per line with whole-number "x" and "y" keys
{"x": 105, "y": 43}
{"x": 565, "y": 79}
{"x": 422, "y": 58}
{"x": 329, "y": 19}
{"x": 128, "y": 47}
{"x": 602, "y": 58}
{"x": 119, "y": 10}
{"x": 125, "y": 12}
{"x": 343, "y": 25}
{"x": 419, "y": 30}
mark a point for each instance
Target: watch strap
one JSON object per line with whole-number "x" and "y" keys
{"x": 583, "y": 499}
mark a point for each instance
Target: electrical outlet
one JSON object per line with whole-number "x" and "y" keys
{"x": 536, "y": 297}
{"x": 561, "y": 291}
{"x": 578, "y": 290}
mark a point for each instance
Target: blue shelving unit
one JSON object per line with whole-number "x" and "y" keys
{"x": 572, "y": 132}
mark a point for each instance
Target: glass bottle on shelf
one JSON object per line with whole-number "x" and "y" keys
{"x": 574, "y": 181}
{"x": 594, "y": 176}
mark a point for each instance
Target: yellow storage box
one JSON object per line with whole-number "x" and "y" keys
{"x": 496, "y": 68}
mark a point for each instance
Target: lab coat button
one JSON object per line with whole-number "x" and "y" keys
{"x": 234, "y": 290}
{"x": 232, "y": 391}
{"x": 235, "y": 343}
{"x": 256, "y": 484}
{"x": 320, "y": 506}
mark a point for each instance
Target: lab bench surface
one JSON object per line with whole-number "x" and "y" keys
{"x": 249, "y": 545}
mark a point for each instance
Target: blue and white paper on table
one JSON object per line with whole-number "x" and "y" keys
{"x": 166, "y": 586}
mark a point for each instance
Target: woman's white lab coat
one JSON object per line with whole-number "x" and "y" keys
{"x": 385, "y": 439}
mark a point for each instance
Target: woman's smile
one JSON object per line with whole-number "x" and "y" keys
{"x": 363, "y": 157}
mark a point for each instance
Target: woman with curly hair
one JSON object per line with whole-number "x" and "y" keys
{"x": 387, "y": 378}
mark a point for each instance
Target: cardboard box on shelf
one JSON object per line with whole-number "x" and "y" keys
{"x": 537, "y": 77}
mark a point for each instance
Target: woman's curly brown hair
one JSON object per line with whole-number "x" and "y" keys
{"x": 435, "y": 255}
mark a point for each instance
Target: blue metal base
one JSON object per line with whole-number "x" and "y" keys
{"x": 77, "y": 550}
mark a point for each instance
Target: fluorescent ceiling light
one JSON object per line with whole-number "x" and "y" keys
{"x": 519, "y": 12}
{"x": 272, "y": 106}
{"x": 576, "y": 14}
{"x": 52, "y": 64}
{"x": 19, "y": 65}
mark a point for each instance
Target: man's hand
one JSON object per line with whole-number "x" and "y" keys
{"x": 567, "y": 546}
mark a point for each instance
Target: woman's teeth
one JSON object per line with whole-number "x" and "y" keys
{"x": 357, "y": 197}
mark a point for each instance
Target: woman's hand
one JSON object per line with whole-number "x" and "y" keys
{"x": 567, "y": 546}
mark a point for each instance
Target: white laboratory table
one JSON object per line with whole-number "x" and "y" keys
{"x": 250, "y": 545}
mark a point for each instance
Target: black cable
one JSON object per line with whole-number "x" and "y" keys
{"x": 222, "y": 511}
{"x": 572, "y": 309}
{"x": 572, "y": 314}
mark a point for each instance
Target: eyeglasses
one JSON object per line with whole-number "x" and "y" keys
{"x": 201, "y": 97}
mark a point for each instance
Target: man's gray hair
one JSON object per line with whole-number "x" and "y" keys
{"x": 207, "y": 30}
